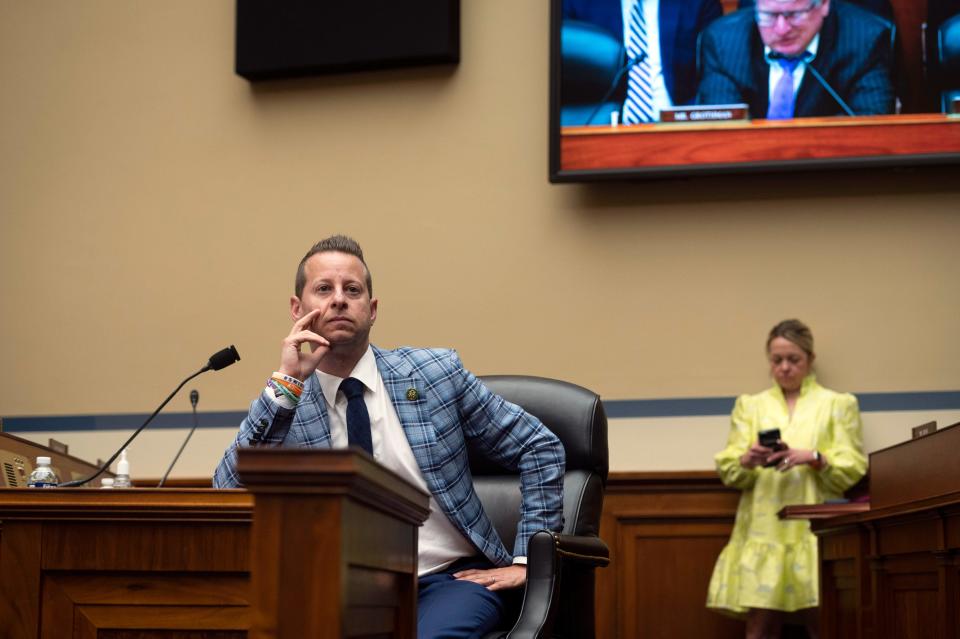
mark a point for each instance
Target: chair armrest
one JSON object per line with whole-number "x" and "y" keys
{"x": 547, "y": 552}
{"x": 584, "y": 549}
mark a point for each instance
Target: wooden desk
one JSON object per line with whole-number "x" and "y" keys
{"x": 324, "y": 545}
{"x": 77, "y": 562}
{"x": 584, "y": 148}
{"x": 893, "y": 571}
{"x": 17, "y": 457}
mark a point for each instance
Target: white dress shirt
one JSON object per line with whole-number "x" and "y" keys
{"x": 440, "y": 542}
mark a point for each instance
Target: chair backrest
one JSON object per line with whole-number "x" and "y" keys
{"x": 576, "y": 416}
{"x": 948, "y": 45}
{"x": 591, "y": 56}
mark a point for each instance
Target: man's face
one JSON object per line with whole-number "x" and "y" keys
{"x": 788, "y": 26}
{"x": 336, "y": 284}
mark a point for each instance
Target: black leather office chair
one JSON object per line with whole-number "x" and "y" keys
{"x": 591, "y": 57}
{"x": 948, "y": 63}
{"x": 559, "y": 597}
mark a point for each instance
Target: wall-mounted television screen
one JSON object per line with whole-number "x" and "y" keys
{"x": 653, "y": 88}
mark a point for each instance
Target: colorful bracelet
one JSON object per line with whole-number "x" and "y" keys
{"x": 280, "y": 389}
{"x": 286, "y": 378}
{"x": 296, "y": 390}
{"x": 294, "y": 385}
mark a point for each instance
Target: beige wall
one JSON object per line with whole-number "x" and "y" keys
{"x": 153, "y": 206}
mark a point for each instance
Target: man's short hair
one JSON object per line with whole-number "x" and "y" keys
{"x": 332, "y": 244}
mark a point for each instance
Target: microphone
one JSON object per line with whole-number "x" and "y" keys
{"x": 807, "y": 58}
{"x": 194, "y": 398}
{"x": 220, "y": 359}
{"x": 616, "y": 80}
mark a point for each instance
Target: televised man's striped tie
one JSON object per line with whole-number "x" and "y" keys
{"x": 638, "y": 107}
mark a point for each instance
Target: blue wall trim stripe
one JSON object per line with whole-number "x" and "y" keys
{"x": 129, "y": 421}
{"x": 616, "y": 409}
{"x": 701, "y": 406}
{"x": 931, "y": 400}
{"x": 679, "y": 407}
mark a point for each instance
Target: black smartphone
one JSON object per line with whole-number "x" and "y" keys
{"x": 770, "y": 438}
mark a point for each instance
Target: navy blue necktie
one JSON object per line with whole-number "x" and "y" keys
{"x": 358, "y": 419}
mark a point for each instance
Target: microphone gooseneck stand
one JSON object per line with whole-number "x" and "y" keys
{"x": 220, "y": 359}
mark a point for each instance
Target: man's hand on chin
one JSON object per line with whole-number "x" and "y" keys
{"x": 496, "y": 578}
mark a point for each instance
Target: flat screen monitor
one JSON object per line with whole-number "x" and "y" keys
{"x": 877, "y": 84}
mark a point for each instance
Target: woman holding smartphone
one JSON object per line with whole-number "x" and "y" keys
{"x": 769, "y": 568}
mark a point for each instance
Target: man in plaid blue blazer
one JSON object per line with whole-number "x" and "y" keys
{"x": 424, "y": 412}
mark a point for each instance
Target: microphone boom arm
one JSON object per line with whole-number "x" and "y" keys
{"x": 193, "y": 400}
{"x": 106, "y": 465}
{"x": 833, "y": 94}
{"x": 220, "y": 359}
{"x": 613, "y": 85}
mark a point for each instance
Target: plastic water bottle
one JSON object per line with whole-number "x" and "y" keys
{"x": 122, "y": 480}
{"x": 43, "y": 476}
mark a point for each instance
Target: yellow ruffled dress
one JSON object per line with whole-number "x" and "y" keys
{"x": 770, "y": 563}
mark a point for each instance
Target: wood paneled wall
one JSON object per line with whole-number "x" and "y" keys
{"x": 665, "y": 531}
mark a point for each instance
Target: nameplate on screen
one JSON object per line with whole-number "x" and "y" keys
{"x": 705, "y": 113}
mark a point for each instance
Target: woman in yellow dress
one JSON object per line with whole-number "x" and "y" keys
{"x": 769, "y": 568}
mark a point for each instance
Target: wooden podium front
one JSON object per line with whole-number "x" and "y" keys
{"x": 334, "y": 545}
{"x": 322, "y": 545}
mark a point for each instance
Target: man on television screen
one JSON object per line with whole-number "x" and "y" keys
{"x": 799, "y": 58}
{"x": 659, "y": 48}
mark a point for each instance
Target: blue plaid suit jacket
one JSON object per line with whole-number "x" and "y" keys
{"x": 854, "y": 56}
{"x": 452, "y": 411}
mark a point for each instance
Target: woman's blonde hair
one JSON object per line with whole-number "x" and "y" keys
{"x": 795, "y": 331}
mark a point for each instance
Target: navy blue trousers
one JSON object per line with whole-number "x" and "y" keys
{"x": 448, "y": 608}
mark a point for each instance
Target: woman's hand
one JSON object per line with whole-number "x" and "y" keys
{"x": 790, "y": 457}
{"x": 756, "y": 456}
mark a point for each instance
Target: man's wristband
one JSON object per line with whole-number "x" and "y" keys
{"x": 281, "y": 389}
{"x": 289, "y": 387}
{"x": 277, "y": 375}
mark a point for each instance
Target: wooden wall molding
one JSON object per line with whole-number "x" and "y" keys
{"x": 665, "y": 530}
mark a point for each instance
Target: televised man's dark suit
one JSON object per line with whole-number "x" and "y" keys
{"x": 681, "y": 21}
{"x": 854, "y": 56}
